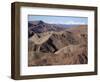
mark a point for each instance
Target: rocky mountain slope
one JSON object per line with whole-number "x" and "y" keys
{"x": 51, "y": 44}
{"x": 40, "y": 27}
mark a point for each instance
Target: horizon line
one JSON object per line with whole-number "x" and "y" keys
{"x": 68, "y": 23}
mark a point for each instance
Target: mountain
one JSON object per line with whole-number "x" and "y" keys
{"x": 40, "y": 27}
{"x": 52, "y": 44}
{"x": 53, "y": 41}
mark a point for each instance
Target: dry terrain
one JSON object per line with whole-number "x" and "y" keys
{"x": 51, "y": 44}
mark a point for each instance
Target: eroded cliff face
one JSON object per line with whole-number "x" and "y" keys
{"x": 56, "y": 45}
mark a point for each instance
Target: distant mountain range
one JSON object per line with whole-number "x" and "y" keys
{"x": 40, "y": 26}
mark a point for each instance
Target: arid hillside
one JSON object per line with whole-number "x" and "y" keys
{"x": 51, "y": 44}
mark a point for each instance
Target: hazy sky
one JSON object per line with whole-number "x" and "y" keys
{"x": 59, "y": 19}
